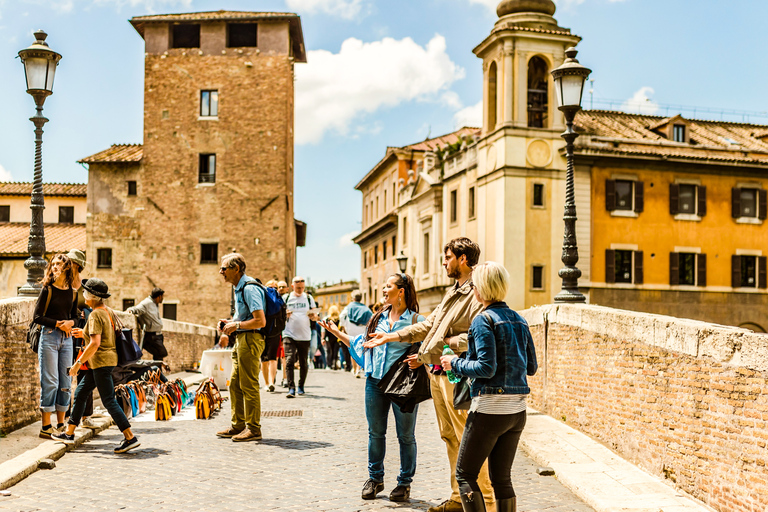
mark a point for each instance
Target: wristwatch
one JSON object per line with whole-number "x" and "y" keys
{"x": 237, "y": 325}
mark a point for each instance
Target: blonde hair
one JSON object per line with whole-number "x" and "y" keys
{"x": 333, "y": 313}
{"x": 491, "y": 281}
{"x": 272, "y": 283}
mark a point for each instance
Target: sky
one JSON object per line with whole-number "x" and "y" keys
{"x": 379, "y": 73}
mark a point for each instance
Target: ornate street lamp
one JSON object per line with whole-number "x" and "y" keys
{"x": 569, "y": 86}
{"x": 402, "y": 262}
{"x": 39, "y": 67}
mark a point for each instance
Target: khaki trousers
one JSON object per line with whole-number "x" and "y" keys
{"x": 451, "y": 423}
{"x": 244, "y": 381}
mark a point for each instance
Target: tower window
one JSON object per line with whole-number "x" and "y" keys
{"x": 209, "y": 253}
{"x": 185, "y": 35}
{"x": 207, "y": 172}
{"x": 104, "y": 258}
{"x": 241, "y": 34}
{"x": 209, "y": 103}
{"x": 538, "y": 107}
{"x": 538, "y": 194}
{"x": 131, "y": 188}
{"x": 492, "y": 92}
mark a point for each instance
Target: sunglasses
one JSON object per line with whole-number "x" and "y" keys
{"x": 301, "y": 281}
{"x": 224, "y": 269}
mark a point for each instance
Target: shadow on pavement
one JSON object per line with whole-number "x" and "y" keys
{"x": 139, "y": 453}
{"x": 296, "y": 444}
{"x": 303, "y": 397}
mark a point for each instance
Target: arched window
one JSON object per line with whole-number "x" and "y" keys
{"x": 538, "y": 79}
{"x": 492, "y": 92}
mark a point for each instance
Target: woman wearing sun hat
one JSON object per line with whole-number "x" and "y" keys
{"x": 101, "y": 355}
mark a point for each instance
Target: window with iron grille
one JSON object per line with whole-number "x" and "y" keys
{"x": 207, "y": 172}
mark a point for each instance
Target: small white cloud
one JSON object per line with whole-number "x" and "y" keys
{"x": 451, "y": 99}
{"x": 335, "y": 89}
{"x": 62, "y": 6}
{"x": 346, "y": 9}
{"x": 641, "y": 103}
{"x": 346, "y": 240}
{"x": 5, "y": 175}
{"x": 469, "y": 116}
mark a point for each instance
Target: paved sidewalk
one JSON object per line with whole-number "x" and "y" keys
{"x": 316, "y": 461}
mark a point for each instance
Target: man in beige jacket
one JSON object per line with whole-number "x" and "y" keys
{"x": 447, "y": 325}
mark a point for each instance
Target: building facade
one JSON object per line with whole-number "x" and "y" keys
{"x": 63, "y": 224}
{"x": 339, "y": 294}
{"x": 215, "y": 171}
{"x": 671, "y": 210}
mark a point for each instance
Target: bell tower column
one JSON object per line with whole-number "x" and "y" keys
{"x": 508, "y": 82}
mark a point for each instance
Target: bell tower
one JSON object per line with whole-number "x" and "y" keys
{"x": 520, "y": 167}
{"x": 526, "y": 43}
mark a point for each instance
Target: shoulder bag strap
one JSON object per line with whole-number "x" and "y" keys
{"x": 47, "y": 299}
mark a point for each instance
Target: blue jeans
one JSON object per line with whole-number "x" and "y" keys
{"x": 55, "y": 356}
{"x": 376, "y": 412}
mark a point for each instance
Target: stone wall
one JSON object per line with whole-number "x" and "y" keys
{"x": 681, "y": 398}
{"x": 19, "y": 369}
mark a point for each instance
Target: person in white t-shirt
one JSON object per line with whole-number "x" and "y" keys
{"x": 298, "y": 333}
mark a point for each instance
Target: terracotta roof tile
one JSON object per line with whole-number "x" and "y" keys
{"x": 49, "y": 189}
{"x": 117, "y": 153}
{"x": 443, "y": 140}
{"x": 633, "y": 134}
{"x": 211, "y": 15}
{"x": 58, "y": 238}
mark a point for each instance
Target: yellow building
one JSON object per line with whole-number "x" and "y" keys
{"x": 64, "y": 227}
{"x": 671, "y": 210}
{"x": 339, "y": 294}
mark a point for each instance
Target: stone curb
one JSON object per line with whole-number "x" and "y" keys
{"x": 17, "y": 469}
{"x": 598, "y": 476}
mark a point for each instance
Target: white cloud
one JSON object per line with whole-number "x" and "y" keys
{"x": 346, "y": 240}
{"x": 5, "y": 175}
{"x": 335, "y": 89}
{"x": 347, "y": 9}
{"x": 641, "y": 103}
{"x": 469, "y": 116}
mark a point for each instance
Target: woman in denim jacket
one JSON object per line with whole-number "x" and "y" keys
{"x": 400, "y": 308}
{"x": 500, "y": 355}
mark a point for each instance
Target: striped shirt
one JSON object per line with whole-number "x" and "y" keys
{"x": 498, "y": 404}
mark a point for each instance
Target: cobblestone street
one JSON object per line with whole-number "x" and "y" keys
{"x": 313, "y": 461}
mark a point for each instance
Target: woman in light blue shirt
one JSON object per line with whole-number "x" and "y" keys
{"x": 400, "y": 308}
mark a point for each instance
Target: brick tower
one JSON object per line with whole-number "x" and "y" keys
{"x": 215, "y": 171}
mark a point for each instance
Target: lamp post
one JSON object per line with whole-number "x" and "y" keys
{"x": 569, "y": 86}
{"x": 402, "y": 262}
{"x": 39, "y": 68}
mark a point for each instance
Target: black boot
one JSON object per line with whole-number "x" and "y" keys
{"x": 506, "y": 505}
{"x": 473, "y": 502}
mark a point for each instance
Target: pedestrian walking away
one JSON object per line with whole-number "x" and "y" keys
{"x": 447, "y": 325}
{"x": 56, "y": 313}
{"x": 246, "y": 353}
{"x": 100, "y": 355}
{"x": 499, "y": 357}
{"x": 330, "y": 341}
{"x": 298, "y": 334}
{"x": 149, "y": 319}
{"x": 401, "y": 310}
{"x": 270, "y": 353}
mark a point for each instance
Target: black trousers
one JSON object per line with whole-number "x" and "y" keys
{"x": 153, "y": 343}
{"x": 493, "y": 437}
{"x": 296, "y": 351}
{"x": 331, "y": 353}
{"x": 101, "y": 379}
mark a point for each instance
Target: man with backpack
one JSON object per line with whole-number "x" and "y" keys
{"x": 298, "y": 333}
{"x": 250, "y": 316}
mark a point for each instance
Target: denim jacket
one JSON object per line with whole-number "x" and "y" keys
{"x": 500, "y": 353}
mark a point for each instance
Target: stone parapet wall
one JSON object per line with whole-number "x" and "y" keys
{"x": 684, "y": 399}
{"x": 19, "y": 368}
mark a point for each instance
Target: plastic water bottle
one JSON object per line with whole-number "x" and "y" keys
{"x": 451, "y": 376}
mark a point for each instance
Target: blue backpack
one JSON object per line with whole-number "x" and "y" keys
{"x": 275, "y": 310}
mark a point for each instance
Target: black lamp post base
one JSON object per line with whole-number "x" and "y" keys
{"x": 35, "y": 271}
{"x": 571, "y": 297}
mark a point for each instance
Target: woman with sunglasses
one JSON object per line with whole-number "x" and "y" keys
{"x": 401, "y": 306}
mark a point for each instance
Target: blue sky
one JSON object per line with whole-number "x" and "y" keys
{"x": 380, "y": 73}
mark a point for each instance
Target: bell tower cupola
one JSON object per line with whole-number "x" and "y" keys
{"x": 525, "y": 44}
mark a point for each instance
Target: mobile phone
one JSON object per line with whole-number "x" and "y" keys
{"x": 222, "y": 323}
